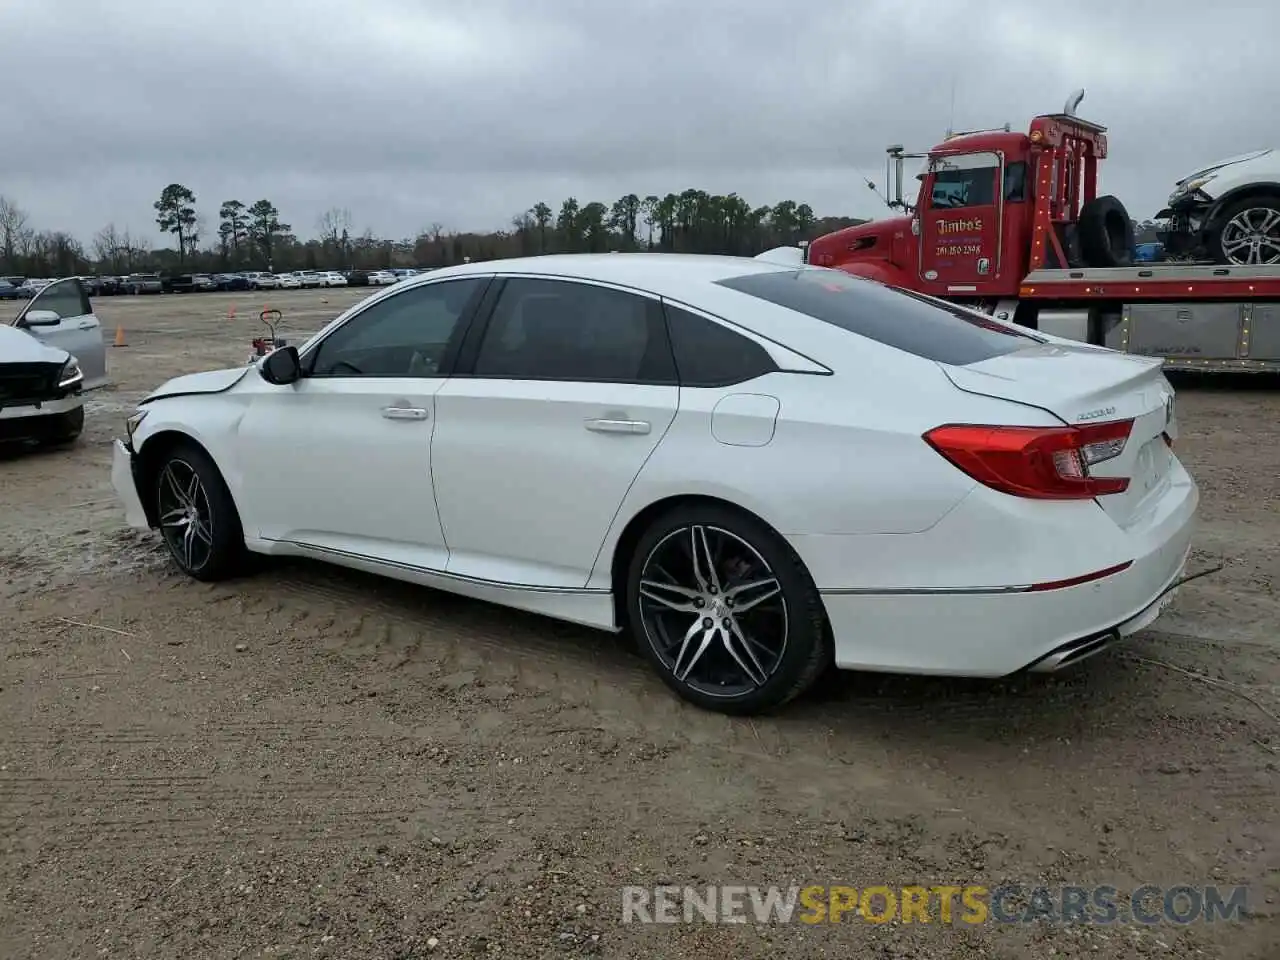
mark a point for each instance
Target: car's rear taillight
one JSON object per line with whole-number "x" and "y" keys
{"x": 1042, "y": 463}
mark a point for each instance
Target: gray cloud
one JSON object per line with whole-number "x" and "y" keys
{"x": 410, "y": 112}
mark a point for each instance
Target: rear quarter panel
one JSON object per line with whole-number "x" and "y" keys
{"x": 847, "y": 456}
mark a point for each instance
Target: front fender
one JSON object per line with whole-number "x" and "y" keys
{"x": 211, "y": 420}
{"x": 1269, "y": 189}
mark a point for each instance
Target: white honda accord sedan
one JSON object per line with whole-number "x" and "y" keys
{"x": 754, "y": 469}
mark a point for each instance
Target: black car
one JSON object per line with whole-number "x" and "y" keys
{"x": 231, "y": 281}
{"x": 358, "y": 278}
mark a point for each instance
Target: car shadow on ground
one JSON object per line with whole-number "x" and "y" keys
{"x": 12, "y": 451}
{"x": 1098, "y": 693}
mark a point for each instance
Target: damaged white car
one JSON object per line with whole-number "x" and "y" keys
{"x": 1227, "y": 212}
{"x": 40, "y": 391}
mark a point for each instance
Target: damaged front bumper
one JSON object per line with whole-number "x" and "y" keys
{"x": 124, "y": 479}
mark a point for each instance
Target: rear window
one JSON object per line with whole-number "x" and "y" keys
{"x": 896, "y": 318}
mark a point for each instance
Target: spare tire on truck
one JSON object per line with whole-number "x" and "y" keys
{"x": 1106, "y": 233}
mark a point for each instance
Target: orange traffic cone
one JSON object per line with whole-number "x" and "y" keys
{"x": 120, "y": 341}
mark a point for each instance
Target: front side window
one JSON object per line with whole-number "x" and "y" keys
{"x": 965, "y": 180}
{"x": 897, "y": 318}
{"x": 66, "y": 298}
{"x": 563, "y": 330}
{"x": 405, "y": 335}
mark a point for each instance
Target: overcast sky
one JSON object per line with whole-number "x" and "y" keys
{"x": 409, "y": 112}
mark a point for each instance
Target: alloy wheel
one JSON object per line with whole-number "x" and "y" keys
{"x": 1252, "y": 237}
{"x": 186, "y": 519}
{"x": 713, "y": 611}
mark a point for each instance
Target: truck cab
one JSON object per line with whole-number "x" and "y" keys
{"x": 992, "y": 207}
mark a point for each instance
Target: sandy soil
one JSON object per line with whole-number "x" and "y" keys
{"x": 314, "y": 763}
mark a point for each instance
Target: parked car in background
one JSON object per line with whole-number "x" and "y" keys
{"x": 231, "y": 281}
{"x": 308, "y": 278}
{"x": 263, "y": 281}
{"x": 652, "y": 413}
{"x": 62, "y": 316}
{"x": 381, "y": 278}
{"x": 357, "y": 278}
{"x": 101, "y": 286}
{"x": 287, "y": 281}
{"x": 140, "y": 283}
{"x": 330, "y": 278}
{"x": 13, "y": 291}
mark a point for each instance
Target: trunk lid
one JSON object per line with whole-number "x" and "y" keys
{"x": 1083, "y": 385}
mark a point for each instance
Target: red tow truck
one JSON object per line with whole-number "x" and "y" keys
{"x": 1012, "y": 224}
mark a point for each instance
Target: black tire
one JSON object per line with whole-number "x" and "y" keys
{"x": 65, "y": 427}
{"x": 734, "y": 674}
{"x": 1257, "y": 212}
{"x": 1106, "y": 233}
{"x": 218, "y": 554}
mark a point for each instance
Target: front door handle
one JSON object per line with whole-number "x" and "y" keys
{"x": 87, "y": 325}
{"x": 404, "y": 413}
{"x": 618, "y": 426}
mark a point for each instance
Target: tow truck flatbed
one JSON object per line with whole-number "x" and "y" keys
{"x": 1156, "y": 281}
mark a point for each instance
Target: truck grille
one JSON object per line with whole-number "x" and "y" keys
{"x": 25, "y": 383}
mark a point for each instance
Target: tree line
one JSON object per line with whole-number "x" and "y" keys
{"x": 251, "y": 236}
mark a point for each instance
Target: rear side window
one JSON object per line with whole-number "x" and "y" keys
{"x": 574, "y": 332}
{"x": 896, "y": 318}
{"x": 710, "y": 355}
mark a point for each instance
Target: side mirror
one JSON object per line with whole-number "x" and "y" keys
{"x": 40, "y": 318}
{"x": 281, "y": 366}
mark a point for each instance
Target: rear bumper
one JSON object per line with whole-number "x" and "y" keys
{"x": 124, "y": 480}
{"x": 992, "y": 632}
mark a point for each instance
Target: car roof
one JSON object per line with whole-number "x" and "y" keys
{"x": 689, "y": 280}
{"x": 670, "y": 274}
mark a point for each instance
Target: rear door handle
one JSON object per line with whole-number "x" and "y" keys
{"x": 618, "y": 426}
{"x": 404, "y": 413}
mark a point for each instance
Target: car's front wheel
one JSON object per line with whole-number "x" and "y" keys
{"x": 725, "y": 611}
{"x": 197, "y": 517}
{"x": 1247, "y": 232}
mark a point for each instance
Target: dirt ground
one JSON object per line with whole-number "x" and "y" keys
{"x": 315, "y": 763}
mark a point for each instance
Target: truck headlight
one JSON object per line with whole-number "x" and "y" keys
{"x": 71, "y": 374}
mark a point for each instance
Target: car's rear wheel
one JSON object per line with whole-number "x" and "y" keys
{"x": 197, "y": 517}
{"x": 725, "y": 611}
